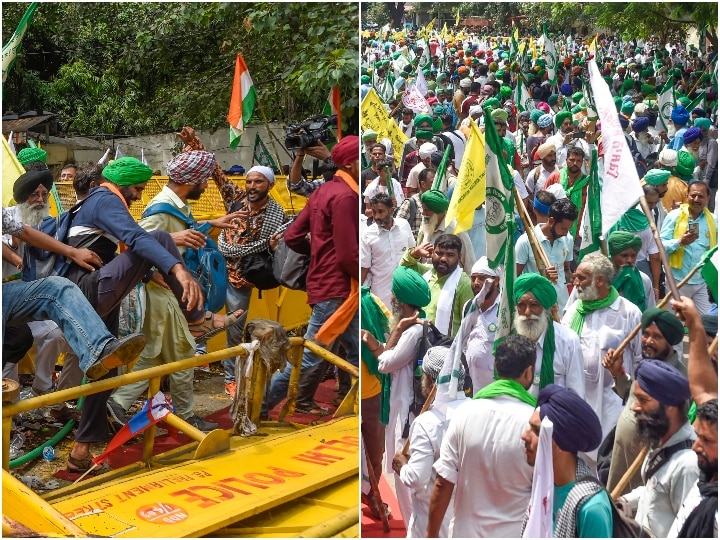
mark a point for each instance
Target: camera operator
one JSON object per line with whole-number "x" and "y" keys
{"x": 296, "y": 181}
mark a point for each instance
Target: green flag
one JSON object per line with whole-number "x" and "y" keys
{"x": 261, "y": 154}
{"x": 699, "y": 101}
{"x": 711, "y": 264}
{"x": 591, "y": 220}
{"x": 11, "y": 48}
{"x": 666, "y": 103}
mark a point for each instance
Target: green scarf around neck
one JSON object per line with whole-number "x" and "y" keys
{"x": 374, "y": 321}
{"x": 583, "y": 308}
{"x": 506, "y": 387}
{"x": 574, "y": 193}
{"x": 629, "y": 285}
{"x": 547, "y": 373}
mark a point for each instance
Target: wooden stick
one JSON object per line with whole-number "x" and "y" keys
{"x": 698, "y": 80}
{"x": 376, "y": 491}
{"x": 426, "y": 406}
{"x": 663, "y": 254}
{"x": 618, "y": 489}
{"x": 713, "y": 346}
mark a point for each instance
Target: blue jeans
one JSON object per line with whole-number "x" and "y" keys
{"x": 310, "y": 376}
{"x": 235, "y": 299}
{"x": 60, "y": 300}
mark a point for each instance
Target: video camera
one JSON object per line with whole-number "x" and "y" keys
{"x": 381, "y": 164}
{"x": 310, "y": 132}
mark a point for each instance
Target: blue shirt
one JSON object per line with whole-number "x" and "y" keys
{"x": 693, "y": 252}
{"x": 594, "y": 519}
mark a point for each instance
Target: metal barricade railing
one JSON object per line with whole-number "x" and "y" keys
{"x": 215, "y": 443}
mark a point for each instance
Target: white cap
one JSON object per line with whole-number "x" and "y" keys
{"x": 426, "y": 150}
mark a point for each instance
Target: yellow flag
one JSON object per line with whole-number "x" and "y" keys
{"x": 533, "y": 49}
{"x": 469, "y": 192}
{"x": 11, "y": 171}
{"x": 457, "y": 17}
{"x": 429, "y": 28}
{"x": 444, "y": 33}
{"x": 592, "y": 48}
{"x": 374, "y": 115}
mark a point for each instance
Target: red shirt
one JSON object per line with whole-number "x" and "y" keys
{"x": 331, "y": 217}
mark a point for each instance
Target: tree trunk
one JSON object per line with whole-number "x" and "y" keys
{"x": 397, "y": 12}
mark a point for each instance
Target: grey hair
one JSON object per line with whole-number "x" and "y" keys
{"x": 600, "y": 266}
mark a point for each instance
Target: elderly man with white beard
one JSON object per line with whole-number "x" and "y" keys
{"x": 602, "y": 319}
{"x": 398, "y": 357}
{"x": 558, "y": 353}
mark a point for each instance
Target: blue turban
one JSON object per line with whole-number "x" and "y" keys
{"x": 398, "y": 83}
{"x": 641, "y": 123}
{"x": 680, "y": 116}
{"x": 576, "y": 427}
{"x": 624, "y": 122}
{"x": 699, "y": 111}
{"x": 544, "y": 121}
{"x": 692, "y": 135}
{"x": 566, "y": 89}
{"x": 662, "y": 382}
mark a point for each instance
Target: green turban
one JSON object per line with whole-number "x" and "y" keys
{"x": 364, "y": 79}
{"x": 669, "y": 325}
{"x": 582, "y": 104}
{"x": 608, "y": 80}
{"x": 685, "y": 165}
{"x": 492, "y": 102}
{"x": 499, "y": 113}
{"x": 702, "y": 123}
{"x": 619, "y": 241}
{"x": 499, "y": 73}
{"x": 432, "y": 85}
{"x": 647, "y": 89}
{"x": 576, "y": 109}
{"x": 656, "y": 177}
{"x": 684, "y": 101}
{"x": 627, "y": 108}
{"x": 442, "y": 77}
{"x": 552, "y": 100}
{"x": 561, "y": 117}
{"x": 423, "y": 118}
{"x": 127, "y": 171}
{"x": 435, "y": 200}
{"x": 438, "y": 110}
{"x": 618, "y": 102}
{"x": 368, "y": 135}
{"x": 627, "y": 83}
{"x": 505, "y": 91}
{"x": 409, "y": 287}
{"x": 541, "y": 287}
{"x": 28, "y": 155}
{"x": 535, "y": 115}
{"x": 437, "y": 125}
{"x": 577, "y": 96}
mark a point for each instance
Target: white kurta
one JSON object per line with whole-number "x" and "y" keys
{"x": 483, "y": 455}
{"x": 567, "y": 361}
{"x": 647, "y": 287}
{"x": 605, "y": 329}
{"x": 381, "y": 251}
{"x": 479, "y": 346}
{"x": 426, "y": 435}
{"x": 400, "y": 363}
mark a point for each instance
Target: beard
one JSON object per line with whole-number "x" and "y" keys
{"x": 694, "y": 152}
{"x": 708, "y": 468}
{"x": 32, "y": 215}
{"x": 531, "y": 326}
{"x": 428, "y": 226}
{"x": 588, "y": 294}
{"x": 395, "y": 314}
{"x": 653, "y": 426}
{"x": 196, "y": 193}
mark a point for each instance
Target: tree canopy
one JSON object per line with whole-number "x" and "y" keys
{"x": 140, "y": 67}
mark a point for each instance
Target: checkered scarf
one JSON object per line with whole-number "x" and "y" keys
{"x": 566, "y": 518}
{"x": 193, "y": 167}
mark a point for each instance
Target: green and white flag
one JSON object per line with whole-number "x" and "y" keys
{"x": 11, "y": 48}
{"x": 666, "y": 103}
{"x": 383, "y": 87}
{"x": 261, "y": 155}
{"x": 425, "y": 58}
{"x": 591, "y": 220}
{"x": 499, "y": 223}
{"x": 525, "y": 101}
{"x": 709, "y": 272}
{"x": 551, "y": 56}
{"x": 400, "y": 61}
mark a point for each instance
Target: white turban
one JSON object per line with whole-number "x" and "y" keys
{"x": 475, "y": 109}
{"x": 668, "y": 158}
{"x": 481, "y": 266}
{"x": 558, "y": 191}
{"x": 267, "y": 172}
{"x": 426, "y": 150}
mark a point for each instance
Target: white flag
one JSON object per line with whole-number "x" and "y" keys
{"x": 399, "y": 64}
{"x": 119, "y": 153}
{"x": 421, "y": 84}
{"x": 621, "y": 189}
{"x": 103, "y": 160}
{"x": 666, "y": 103}
{"x": 11, "y": 142}
{"x": 540, "y": 522}
{"x": 412, "y": 99}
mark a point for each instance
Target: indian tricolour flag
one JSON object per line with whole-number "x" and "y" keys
{"x": 333, "y": 107}
{"x": 242, "y": 101}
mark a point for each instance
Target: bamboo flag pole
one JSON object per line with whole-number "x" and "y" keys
{"x": 618, "y": 489}
{"x": 699, "y": 79}
{"x": 663, "y": 255}
{"x": 258, "y": 101}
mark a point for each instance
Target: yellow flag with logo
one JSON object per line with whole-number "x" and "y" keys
{"x": 374, "y": 115}
{"x": 469, "y": 191}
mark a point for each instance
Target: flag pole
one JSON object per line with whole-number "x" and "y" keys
{"x": 663, "y": 254}
{"x": 267, "y": 127}
{"x": 698, "y": 80}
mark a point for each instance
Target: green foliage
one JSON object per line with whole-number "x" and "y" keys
{"x": 138, "y": 68}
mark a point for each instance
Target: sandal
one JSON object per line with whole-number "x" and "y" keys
{"x": 65, "y": 414}
{"x": 317, "y": 410}
{"x": 208, "y": 325}
{"x": 81, "y": 466}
